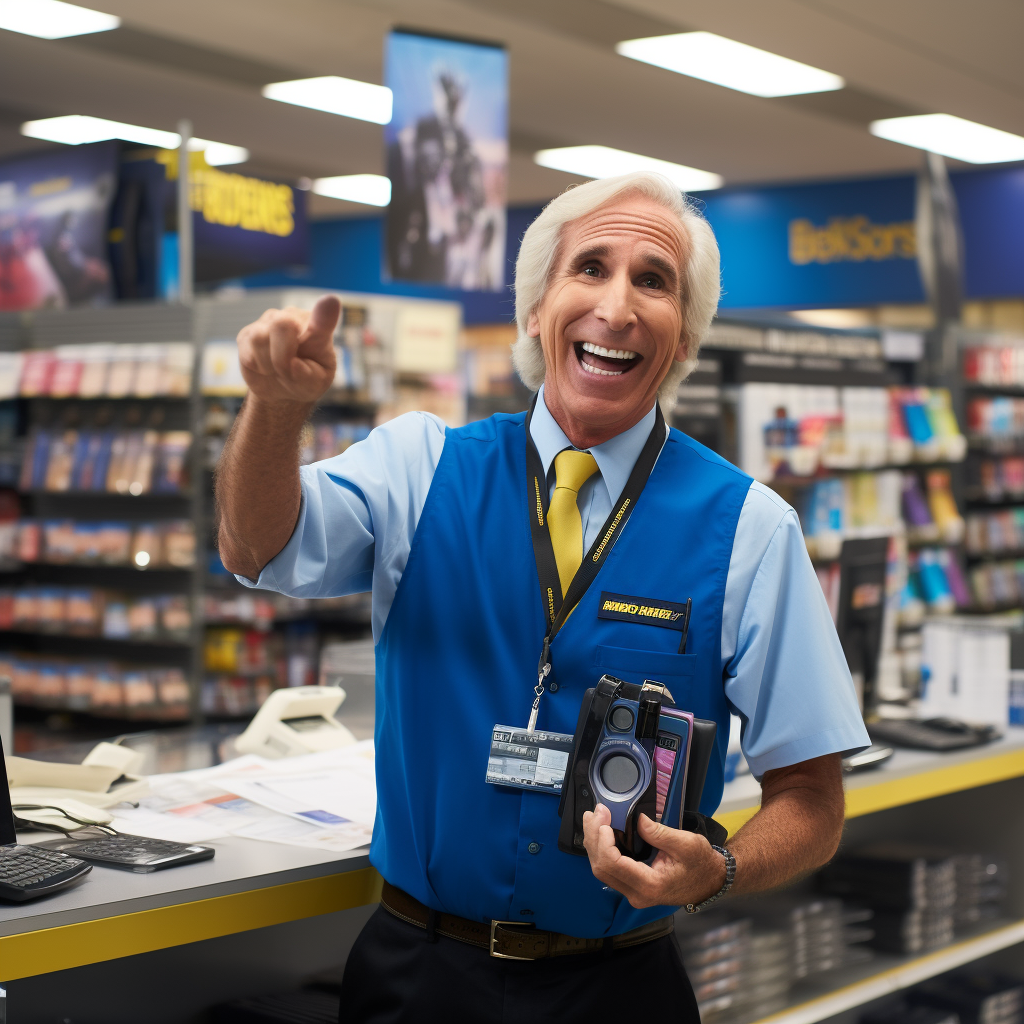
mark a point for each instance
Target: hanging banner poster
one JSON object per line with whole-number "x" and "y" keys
{"x": 447, "y": 158}
{"x": 54, "y": 209}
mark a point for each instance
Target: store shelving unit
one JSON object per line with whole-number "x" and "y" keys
{"x": 128, "y": 325}
{"x": 887, "y": 975}
{"x": 916, "y": 786}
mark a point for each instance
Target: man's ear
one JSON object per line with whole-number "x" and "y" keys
{"x": 533, "y": 325}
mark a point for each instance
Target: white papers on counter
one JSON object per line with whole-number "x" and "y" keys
{"x": 325, "y": 801}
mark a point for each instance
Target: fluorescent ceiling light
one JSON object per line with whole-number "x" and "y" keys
{"x": 51, "y": 19}
{"x": 371, "y": 189}
{"x": 952, "y": 136}
{"x": 219, "y": 154}
{"x": 604, "y": 162}
{"x": 735, "y": 65}
{"x": 76, "y": 129}
{"x": 336, "y": 95}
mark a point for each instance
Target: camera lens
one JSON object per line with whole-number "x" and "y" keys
{"x": 621, "y": 718}
{"x": 620, "y": 773}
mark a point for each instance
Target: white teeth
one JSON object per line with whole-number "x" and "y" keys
{"x": 598, "y": 370}
{"x": 608, "y": 353}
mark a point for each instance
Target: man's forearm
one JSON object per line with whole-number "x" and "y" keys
{"x": 257, "y": 490}
{"x": 797, "y": 828}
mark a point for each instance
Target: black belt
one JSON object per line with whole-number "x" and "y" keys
{"x": 512, "y": 940}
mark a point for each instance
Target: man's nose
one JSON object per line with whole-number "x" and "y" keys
{"x": 615, "y": 307}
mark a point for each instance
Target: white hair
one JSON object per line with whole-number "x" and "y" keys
{"x": 700, "y": 283}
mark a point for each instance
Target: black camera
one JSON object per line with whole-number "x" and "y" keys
{"x": 634, "y": 752}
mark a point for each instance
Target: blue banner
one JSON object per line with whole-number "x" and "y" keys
{"x": 243, "y": 225}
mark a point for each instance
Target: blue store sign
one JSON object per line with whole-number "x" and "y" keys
{"x": 851, "y": 243}
{"x": 834, "y": 244}
{"x": 831, "y": 244}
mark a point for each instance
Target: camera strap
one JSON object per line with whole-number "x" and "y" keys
{"x": 558, "y": 606}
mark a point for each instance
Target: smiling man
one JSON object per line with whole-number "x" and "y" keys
{"x": 471, "y": 540}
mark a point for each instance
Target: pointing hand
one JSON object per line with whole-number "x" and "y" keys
{"x": 288, "y": 354}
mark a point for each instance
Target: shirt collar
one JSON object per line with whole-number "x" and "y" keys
{"x": 615, "y": 457}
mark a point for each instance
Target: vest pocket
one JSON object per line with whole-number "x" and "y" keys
{"x": 636, "y": 666}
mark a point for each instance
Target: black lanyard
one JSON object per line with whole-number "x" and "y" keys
{"x": 556, "y": 605}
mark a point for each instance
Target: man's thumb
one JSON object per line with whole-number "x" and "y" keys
{"x": 653, "y": 832}
{"x": 323, "y": 319}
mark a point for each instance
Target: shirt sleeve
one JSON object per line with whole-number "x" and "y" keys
{"x": 786, "y": 676}
{"x": 358, "y": 515}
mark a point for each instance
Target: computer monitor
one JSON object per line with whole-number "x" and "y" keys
{"x": 8, "y": 833}
{"x": 862, "y": 566}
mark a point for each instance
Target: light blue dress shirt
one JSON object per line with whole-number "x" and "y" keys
{"x": 783, "y": 668}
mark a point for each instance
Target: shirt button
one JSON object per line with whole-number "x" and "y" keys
{"x": 534, "y": 847}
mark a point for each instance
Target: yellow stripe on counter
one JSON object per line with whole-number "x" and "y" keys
{"x": 936, "y": 782}
{"x": 89, "y": 942}
{"x": 909, "y": 789}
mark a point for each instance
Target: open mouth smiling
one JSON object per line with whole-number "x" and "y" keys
{"x": 606, "y": 362}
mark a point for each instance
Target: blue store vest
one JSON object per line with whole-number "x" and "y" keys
{"x": 458, "y": 655}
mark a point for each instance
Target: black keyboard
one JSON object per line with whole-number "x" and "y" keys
{"x": 932, "y": 733}
{"x": 137, "y": 853}
{"x": 27, "y": 872}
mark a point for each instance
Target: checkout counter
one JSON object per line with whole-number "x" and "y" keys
{"x": 121, "y": 947}
{"x": 263, "y": 917}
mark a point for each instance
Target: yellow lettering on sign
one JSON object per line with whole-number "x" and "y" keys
{"x": 236, "y": 201}
{"x": 50, "y": 186}
{"x": 853, "y": 239}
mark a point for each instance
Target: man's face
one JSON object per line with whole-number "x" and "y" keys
{"x": 611, "y": 319}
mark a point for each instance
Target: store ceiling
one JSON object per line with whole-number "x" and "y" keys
{"x": 207, "y": 61}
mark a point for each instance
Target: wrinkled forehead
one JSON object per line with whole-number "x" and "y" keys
{"x": 629, "y": 226}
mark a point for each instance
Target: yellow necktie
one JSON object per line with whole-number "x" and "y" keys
{"x": 572, "y": 470}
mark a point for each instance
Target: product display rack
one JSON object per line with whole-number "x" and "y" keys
{"x": 993, "y": 373}
{"x": 119, "y": 328}
{"x": 913, "y": 786}
{"x": 243, "y": 656}
{"x": 914, "y": 797}
{"x": 52, "y": 617}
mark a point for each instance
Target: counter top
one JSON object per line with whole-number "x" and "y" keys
{"x": 907, "y": 777}
{"x": 114, "y": 913}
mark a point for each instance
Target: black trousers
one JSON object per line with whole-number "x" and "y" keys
{"x": 395, "y": 974}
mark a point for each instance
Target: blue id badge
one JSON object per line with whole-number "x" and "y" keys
{"x": 536, "y": 761}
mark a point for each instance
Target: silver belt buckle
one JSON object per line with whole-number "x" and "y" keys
{"x": 494, "y": 940}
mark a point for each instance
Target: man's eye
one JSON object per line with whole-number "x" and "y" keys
{"x": 591, "y": 271}
{"x": 651, "y": 281}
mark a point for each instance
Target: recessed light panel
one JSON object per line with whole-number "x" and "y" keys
{"x": 344, "y": 96}
{"x": 605, "y": 162}
{"x": 78, "y": 129}
{"x": 51, "y": 19}
{"x": 371, "y": 189}
{"x": 726, "y": 62}
{"x": 952, "y": 136}
{"x": 219, "y": 154}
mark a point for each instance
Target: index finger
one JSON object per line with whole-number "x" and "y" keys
{"x": 323, "y": 319}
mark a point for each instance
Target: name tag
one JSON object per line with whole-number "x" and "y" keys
{"x": 529, "y": 760}
{"x": 647, "y": 610}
